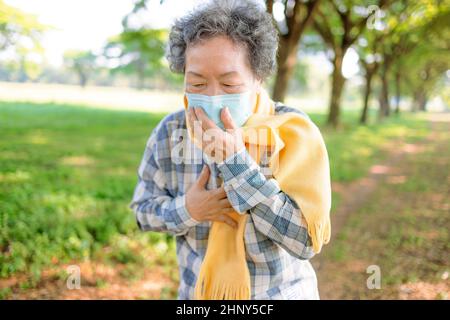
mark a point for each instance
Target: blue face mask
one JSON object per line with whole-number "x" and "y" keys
{"x": 238, "y": 104}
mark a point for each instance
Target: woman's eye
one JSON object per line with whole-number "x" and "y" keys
{"x": 197, "y": 85}
{"x": 230, "y": 85}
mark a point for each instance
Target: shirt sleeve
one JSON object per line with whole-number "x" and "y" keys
{"x": 274, "y": 213}
{"x": 155, "y": 209}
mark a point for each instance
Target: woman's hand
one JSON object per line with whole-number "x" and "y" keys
{"x": 208, "y": 205}
{"x": 216, "y": 143}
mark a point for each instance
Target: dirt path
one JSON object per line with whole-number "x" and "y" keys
{"x": 371, "y": 195}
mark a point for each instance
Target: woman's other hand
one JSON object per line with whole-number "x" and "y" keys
{"x": 208, "y": 205}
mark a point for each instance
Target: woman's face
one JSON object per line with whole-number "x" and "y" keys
{"x": 217, "y": 66}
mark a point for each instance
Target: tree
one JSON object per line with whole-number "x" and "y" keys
{"x": 371, "y": 48}
{"x": 413, "y": 30}
{"x": 396, "y": 42}
{"x": 82, "y": 62}
{"x": 425, "y": 67}
{"x": 433, "y": 58}
{"x": 138, "y": 52}
{"x": 20, "y": 35}
{"x": 340, "y": 23}
{"x": 297, "y": 17}
{"x": 369, "y": 58}
{"x": 15, "y": 26}
{"x": 139, "y": 49}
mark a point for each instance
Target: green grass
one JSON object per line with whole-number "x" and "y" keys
{"x": 67, "y": 174}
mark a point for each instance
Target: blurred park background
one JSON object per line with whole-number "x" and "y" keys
{"x": 83, "y": 83}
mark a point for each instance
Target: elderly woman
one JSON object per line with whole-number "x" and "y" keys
{"x": 233, "y": 221}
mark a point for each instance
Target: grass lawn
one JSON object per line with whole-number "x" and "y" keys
{"x": 67, "y": 174}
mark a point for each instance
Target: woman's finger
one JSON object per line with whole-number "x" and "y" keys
{"x": 227, "y": 120}
{"x": 225, "y": 203}
{"x": 228, "y": 220}
{"x": 206, "y": 122}
{"x": 219, "y": 193}
{"x": 227, "y": 210}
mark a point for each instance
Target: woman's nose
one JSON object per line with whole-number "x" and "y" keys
{"x": 214, "y": 90}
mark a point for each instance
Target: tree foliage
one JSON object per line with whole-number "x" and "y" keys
{"x": 20, "y": 35}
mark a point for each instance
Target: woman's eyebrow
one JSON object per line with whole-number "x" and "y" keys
{"x": 195, "y": 74}
{"x": 223, "y": 75}
{"x": 230, "y": 73}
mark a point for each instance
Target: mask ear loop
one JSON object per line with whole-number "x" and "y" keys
{"x": 256, "y": 102}
{"x": 185, "y": 100}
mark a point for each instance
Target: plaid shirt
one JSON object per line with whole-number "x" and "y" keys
{"x": 277, "y": 243}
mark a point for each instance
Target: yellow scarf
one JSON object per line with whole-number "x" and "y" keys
{"x": 299, "y": 162}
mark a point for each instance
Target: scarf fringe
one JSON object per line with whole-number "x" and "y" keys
{"x": 320, "y": 233}
{"x": 220, "y": 290}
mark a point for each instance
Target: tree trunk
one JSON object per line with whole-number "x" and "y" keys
{"x": 297, "y": 22}
{"x": 368, "y": 88}
{"x": 286, "y": 60}
{"x": 82, "y": 79}
{"x": 416, "y": 102}
{"x": 338, "y": 82}
{"x": 384, "y": 95}
{"x": 397, "y": 92}
{"x": 423, "y": 103}
{"x": 140, "y": 74}
{"x": 420, "y": 101}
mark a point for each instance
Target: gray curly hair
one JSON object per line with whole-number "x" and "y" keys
{"x": 244, "y": 22}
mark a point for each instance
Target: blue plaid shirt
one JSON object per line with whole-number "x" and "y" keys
{"x": 277, "y": 243}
